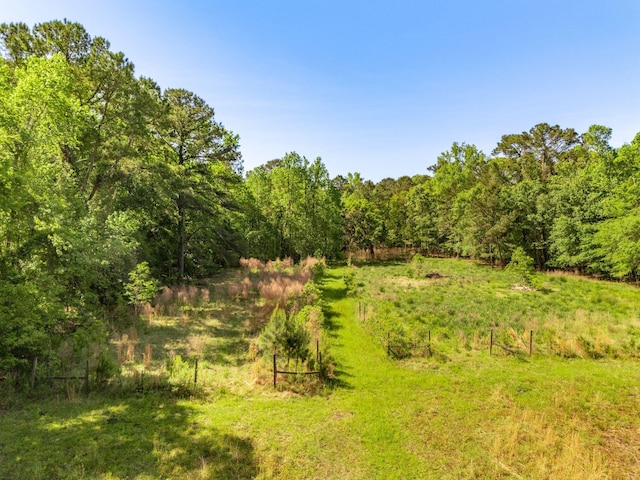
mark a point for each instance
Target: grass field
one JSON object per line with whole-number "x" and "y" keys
{"x": 463, "y": 414}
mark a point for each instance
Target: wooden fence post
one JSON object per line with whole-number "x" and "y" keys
{"x": 388, "y": 344}
{"x": 86, "y": 378}
{"x": 33, "y": 373}
{"x": 317, "y": 350}
{"x": 195, "y": 375}
{"x": 275, "y": 374}
{"x": 530, "y": 341}
{"x": 491, "y": 342}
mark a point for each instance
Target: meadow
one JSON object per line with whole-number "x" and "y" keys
{"x": 569, "y": 411}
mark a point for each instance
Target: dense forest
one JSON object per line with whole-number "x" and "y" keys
{"x": 110, "y": 183}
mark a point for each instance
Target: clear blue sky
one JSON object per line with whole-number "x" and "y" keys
{"x": 378, "y": 87}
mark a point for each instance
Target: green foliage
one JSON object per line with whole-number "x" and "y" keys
{"x": 318, "y": 269}
{"x": 286, "y": 335}
{"x": 311, "y": 294}
{"x": 417, "y": 265}
{"x": 106, "y": 368}
{"x": 297, "y": 209}
{"x": 521, "y": 265}
{"x": 349, "y": 279}
{"x": 141, "y": 287}
{"x": 101, "y": 171}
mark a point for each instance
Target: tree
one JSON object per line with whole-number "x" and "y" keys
{"x": 521, "y": 265}
{"x": 577, "y": 193}
{"x": 141, "y": 287}
{"x": 455, "y": 172}
{"x": 538, "y": 150}
{"x": 199, "y": 157}
{"x": 38, "y": 210}
{"x": 364, "y": 224}
{"x": 299, "y": 209}
{"x": 618, "y": 236}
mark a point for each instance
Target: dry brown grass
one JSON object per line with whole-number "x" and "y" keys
{"x": 278, "y": 291}
{"x": 126, "y": 346}
{"x": 530, "y": 445}
{"x": 252, "y": 264}
{"x": 147, "y": 355}
{"x": 195, "y": 345}
{"x": 309, "y": 264}
{"x": 170, "y": 299}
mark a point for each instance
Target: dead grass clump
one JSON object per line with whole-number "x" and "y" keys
{"x": 309, "y": 263}
{"x": 147, "y": 355}
{"x": 252, "y": 264}
{"x": 170, "y": 299}
{"x": 278, "y": 291}
{"x": 314, "y": 323}
{"x": 195, "y": 345}
{"x": 279, "y": 265}
{"x": 184, "y": 318}
{"x": 528, "y": 445}
{"x": 147, "y": 310}
{"x": 126, "y": 344}
{"x": 233, "y": 290}
{"x": 204, "y": 295}
{"x": 247, "y": 287}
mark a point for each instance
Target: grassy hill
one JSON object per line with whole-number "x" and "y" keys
{"x": 568, "y": 411}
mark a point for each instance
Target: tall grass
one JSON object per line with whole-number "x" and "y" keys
{"x": 461, "y": 301}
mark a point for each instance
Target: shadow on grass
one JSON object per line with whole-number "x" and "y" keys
{"x": 332, "y": 292}
{"x": 340, "y": 380}
{"x": 149, "y": 437}
{"x": 223, "y": 335}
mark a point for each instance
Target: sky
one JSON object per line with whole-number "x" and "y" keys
{"x": 378, "y": 87}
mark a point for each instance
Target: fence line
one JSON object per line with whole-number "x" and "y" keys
{"x": 427, "y": 346}
{"x": 85, "y": 377}
{"x": 285, "y": 372}
{"x": 391, "y": 346}
{"x": 492, "y": 343}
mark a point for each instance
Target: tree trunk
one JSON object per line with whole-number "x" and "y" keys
{"x": 181, "y": 236}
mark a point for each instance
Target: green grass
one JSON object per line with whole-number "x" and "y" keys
{"x": 474, "y": 416}
{"x": 570, "y": 316}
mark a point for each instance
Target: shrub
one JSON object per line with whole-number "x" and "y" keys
{"x": 521, "y": 265}
{"x": 141, "y": 287}
{"x": 349, "y": 279}
{"x": 287, "y": 335}
{"x": 106, "y": 368}
{"x": 417, "y": 265}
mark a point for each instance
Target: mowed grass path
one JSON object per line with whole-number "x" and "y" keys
{"x": 472, "y": 417}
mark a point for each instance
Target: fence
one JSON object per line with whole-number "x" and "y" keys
{"x": 138, "y": 378}
{"x": 397, "y": 350}
{"x": 286, "y": 372}
{"x": 362, "y": 311}
{"x": 506, "y": 349}
{"x": 49, "y": 378}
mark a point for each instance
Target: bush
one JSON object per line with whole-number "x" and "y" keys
{"x": 521, "y": 265}
{"x": 106, "y": 368}
{"x": 349, "y": 279}
{"x": 141, "y": 287}
{"x": 417, "y": 266}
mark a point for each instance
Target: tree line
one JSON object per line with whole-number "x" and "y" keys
{"x": 106, "y": 176}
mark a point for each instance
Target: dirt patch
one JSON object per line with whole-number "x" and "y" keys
{"x": 435, "y": 275}
{"x": 523, "y": 288}
{"x": 418, "y": 282}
